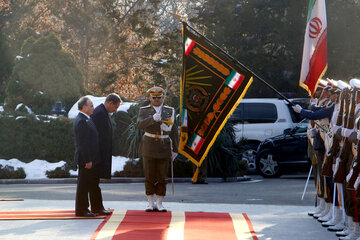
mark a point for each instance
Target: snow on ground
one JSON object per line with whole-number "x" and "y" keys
{"x": 37, "y": 168}
{"x": 73, "y": 112}
{"x": 26, "y": 107}
{"x": 33, "y": 170}
{"x": 1, "y": 108}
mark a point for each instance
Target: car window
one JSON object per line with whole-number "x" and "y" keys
{"x": 255, "y": 113}
{"x": 301, "y": 129}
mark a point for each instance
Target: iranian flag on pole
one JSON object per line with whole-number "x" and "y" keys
{"x": 314, "y": 61}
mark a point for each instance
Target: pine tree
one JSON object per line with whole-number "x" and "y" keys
{"x": 45, "y": 74}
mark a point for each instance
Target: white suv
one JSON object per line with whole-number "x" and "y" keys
{"x": 256, "y": 119}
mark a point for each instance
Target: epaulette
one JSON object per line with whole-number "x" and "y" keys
{"x": 145, "y": 106}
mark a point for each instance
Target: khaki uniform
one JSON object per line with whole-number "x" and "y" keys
{"x": 159, "y": 140}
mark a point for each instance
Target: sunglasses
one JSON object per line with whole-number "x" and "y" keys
{"x": 156, "y": 97}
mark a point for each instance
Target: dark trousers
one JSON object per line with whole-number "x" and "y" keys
{"x": 88, "y": 184}
{"x": 155, "y": 173}
{"x": 319, "y": 159}
{"x": 202, "y": 175}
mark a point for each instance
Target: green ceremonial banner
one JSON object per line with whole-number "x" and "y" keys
{"x": 212, "y": 85}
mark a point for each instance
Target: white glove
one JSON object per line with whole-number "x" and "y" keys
{"x": 313, "y": 132}
{"x": 157, "y": 117}
{"x": 173, "y": 155}
{"x": 335, "y": 128}
{"x": 297, "y": 108}
{"x": 345, "y": 132}
{"x": 358, "y": 135}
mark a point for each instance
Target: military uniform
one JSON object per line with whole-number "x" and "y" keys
{"x": 158, "y": 143}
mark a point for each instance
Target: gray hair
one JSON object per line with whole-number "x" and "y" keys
{"x": 82, "y": 102}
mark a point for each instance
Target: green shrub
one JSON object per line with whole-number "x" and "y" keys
{"x": 8, "y": 172}
{"x": 224, "y": 155}
{"x": 132, "y": 168}
{"x": 59, "y": 172}
{"x": 28, "y": 138}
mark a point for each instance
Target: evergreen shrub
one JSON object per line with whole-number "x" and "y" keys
{"x": 28, "y": 138}
{"x": 59, "y": 172}
{"x": 8, "y": 172}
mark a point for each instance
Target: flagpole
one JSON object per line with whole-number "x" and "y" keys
{"x": 242, "y": 65}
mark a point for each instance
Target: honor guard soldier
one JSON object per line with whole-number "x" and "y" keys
{"x": 159, "y": 143}
{"x": 351, "y": 204}
{"x": 324, "y": 114}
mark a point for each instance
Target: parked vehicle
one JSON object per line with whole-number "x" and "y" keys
{"x": 260, "y": 118}
{"x": 284, "y": 153}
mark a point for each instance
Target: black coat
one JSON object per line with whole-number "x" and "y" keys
{"x": 86, "y": 141}
{"x": 102, "y": 122}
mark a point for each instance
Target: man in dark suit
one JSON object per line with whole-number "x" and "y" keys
{"x": 86, "y": 157}
{"x": 102, "y": 121}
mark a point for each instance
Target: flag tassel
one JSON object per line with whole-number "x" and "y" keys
{"x": 194, "y": 179}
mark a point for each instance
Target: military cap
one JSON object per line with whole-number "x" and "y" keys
{"x": 333, "y": 86}
{"x": 332, "y": 83}
{"x": 355, "y": 83}
{"x": 156, "y": 91}
{"x": 322, "y": 83}
{"x": 342, "y": 85}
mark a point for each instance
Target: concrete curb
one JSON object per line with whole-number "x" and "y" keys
{"x": 114, "y": 180}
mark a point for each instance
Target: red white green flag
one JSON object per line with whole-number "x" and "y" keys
{"x": 314, "y": 61}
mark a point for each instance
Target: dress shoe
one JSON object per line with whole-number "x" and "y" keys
{"x": 102, "y": 212}
{"x": 85, "y": 214}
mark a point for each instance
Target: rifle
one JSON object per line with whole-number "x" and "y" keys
{"x": 355, "y": 170}
{"x": 356, "y": 186}
{"x": 340, "y": 168}
{"x": 334, "y": 150}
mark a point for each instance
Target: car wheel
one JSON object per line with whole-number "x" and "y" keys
{"x": 267, "y": 165}
{"x": 249, "y": 156}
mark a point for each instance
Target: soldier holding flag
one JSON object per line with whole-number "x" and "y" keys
{"x": 158, "y": 146}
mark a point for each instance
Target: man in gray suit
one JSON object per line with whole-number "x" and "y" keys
{"x": 86, "y": 157}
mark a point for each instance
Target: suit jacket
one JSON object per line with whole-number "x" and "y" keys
{"x": 157, "y": 148}
{"x": 86, "y": 141}
{"x": 102, "y": 122}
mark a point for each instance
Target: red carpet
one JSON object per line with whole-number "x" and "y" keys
{"x": 141, "y": 225}
{"x": 41, "y": 215}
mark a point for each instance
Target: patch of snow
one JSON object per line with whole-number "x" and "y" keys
{"x": 19, "y": 117}
{"x": 33, "y": 170}
{"x": 41, "y": 92}
{"x": 37, "y": 168}
{"x": 73, "y": 112}
{"x": 48, "y": 116}
{"x": 19, "y": 57}
{"x": 1, "y": 108}
{"x": 26, "y": 107}
{"x": 118, "y": 163}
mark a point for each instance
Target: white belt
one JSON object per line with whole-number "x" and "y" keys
{"x": 155, "y": 135}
